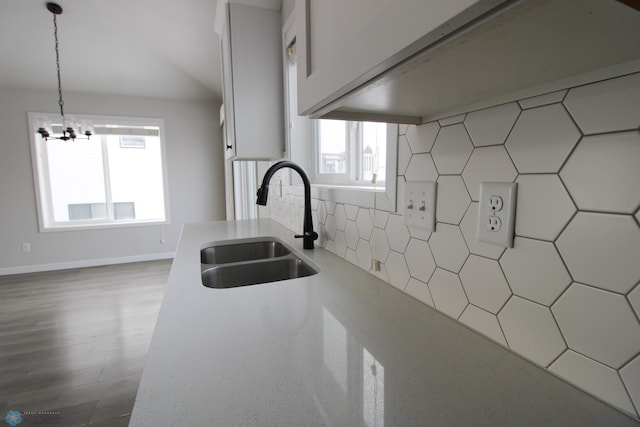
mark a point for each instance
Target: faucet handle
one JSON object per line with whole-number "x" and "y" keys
{"x": 313, "y": 235}
{"x": 307, "y": 237}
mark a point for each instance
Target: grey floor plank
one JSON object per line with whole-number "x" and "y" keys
{"x": 73, "y": 343}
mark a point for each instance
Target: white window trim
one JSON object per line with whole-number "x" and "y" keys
{"x": 97, "y": 120}
{"x": 362, "y": 196}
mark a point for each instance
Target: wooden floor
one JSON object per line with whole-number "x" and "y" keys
{"x": 73, "y": 343}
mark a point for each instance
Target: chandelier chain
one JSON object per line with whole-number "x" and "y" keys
{"x": 55, "y": 35}
{"x": 69, "y": 128}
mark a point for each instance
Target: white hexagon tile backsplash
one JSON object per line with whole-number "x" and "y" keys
{"x": 567, "y": 295}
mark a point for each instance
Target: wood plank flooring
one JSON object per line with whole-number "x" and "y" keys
{"x": 73, "y": 343}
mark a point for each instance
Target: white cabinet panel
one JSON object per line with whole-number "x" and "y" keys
{"x": 253, "y": 91}
{"x": 343, "y": 44}
{"x": 412, "y": 61}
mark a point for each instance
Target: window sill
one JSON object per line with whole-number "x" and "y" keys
{"x": 363, "y": 196}
{"x": 85, "y": 226}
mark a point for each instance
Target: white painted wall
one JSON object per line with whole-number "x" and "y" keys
{"x": 195, "y": 170}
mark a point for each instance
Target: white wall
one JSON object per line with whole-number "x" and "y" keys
{"x": 195, "y": 174}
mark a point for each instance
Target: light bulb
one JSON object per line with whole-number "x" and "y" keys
{"x": 69, "y": 122}
{"x": 86, "y": 128}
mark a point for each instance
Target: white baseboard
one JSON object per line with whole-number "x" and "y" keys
{"x": 84, "y": 263}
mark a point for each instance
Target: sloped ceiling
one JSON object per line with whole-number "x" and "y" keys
{"x": 151, "y": 48}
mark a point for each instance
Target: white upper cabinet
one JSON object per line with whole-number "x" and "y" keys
{"x": 252, "y": 83}
{"x": 342, "y": 44}
{"x": 409, "y": 61}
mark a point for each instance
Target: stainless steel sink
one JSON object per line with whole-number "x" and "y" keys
{"x": 242, "y": 274}
{"x": 250, "y": 262}
{"x": 224, "y": 253}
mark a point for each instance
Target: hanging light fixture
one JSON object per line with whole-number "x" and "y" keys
{"x": 70, "y": 130}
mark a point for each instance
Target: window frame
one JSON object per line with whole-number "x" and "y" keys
{"x": 367, "y": 195}
{"x": 353, "y": 176}
{"x": 46, "y": 222}
{"x": 344, "y": 178}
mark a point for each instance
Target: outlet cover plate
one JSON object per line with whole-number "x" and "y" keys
{"x": 506, "y": 193}
{"x": 419, "y": 208}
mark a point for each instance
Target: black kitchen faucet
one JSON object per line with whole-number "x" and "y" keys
{"x": 308, "y": 235}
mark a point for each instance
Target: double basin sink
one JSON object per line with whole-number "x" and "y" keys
{"x": 243, "y": 262}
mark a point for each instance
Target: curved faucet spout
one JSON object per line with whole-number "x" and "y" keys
{"x": 308, "y": 235}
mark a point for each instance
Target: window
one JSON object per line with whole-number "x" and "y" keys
{"x": 115, "y": 178}
{"x": 350, "y": 153}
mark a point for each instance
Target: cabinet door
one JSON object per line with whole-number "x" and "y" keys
{"x": 253, "y": 88}
{"x": 227, "y": 95}
{"x": 343, "y": 44}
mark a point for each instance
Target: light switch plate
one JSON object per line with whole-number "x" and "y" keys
{"x": 419, "y": 207}
{"x": 497, "y": 213}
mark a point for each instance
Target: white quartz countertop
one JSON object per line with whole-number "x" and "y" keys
{"x": 340, "y": 348}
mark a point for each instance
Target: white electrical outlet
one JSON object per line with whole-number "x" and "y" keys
{"x": 419, "y": 208}
{"x": 494, "y": 223}
{"x": 497, "y": 213}
{"x": 495, "y": 203}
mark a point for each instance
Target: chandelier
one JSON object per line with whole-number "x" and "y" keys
{"x": 70, "y": 129}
